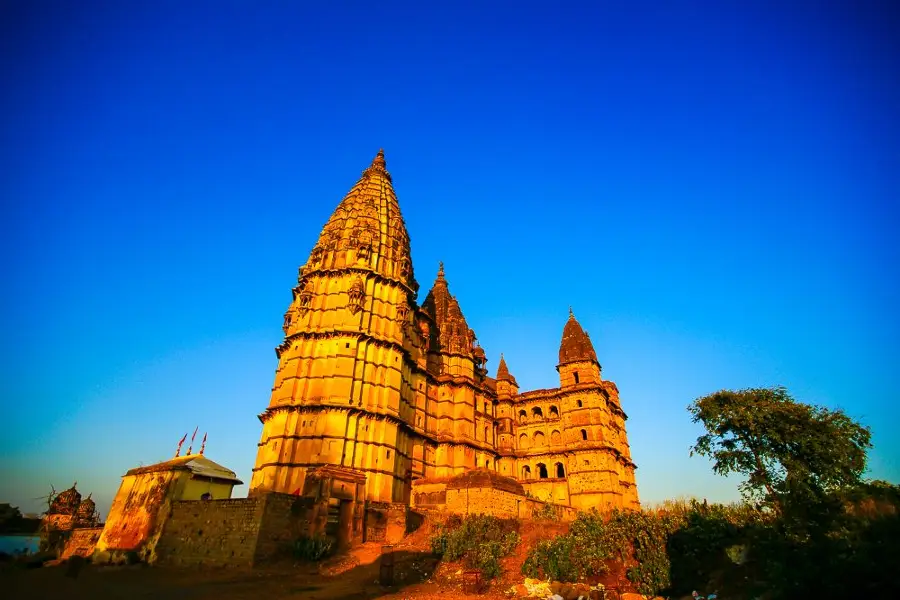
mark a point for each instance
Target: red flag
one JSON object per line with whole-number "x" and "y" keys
{"x": 191, "y": 447}
{"x": 203, "y": 444}
{"x": 178, "y": 451}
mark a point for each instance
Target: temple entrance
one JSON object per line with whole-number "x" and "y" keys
{"x": 339, "y": 524}
{"x": 333, "y": 522}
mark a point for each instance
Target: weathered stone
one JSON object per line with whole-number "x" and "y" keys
{"x": 371, "y": 381}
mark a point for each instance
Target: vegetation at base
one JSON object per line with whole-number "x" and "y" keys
{"x": 634, "y": 538}
{"x": 479, "y": 540}
{"x": 809, "y": 526}
{"x": 312, "y": 548}
{"x": 13, "y": 522}
{"x": 547, "y": 512}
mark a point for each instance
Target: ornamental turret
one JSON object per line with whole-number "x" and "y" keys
{"x": 578, "y": 362}
{"x": 455, "y": 341}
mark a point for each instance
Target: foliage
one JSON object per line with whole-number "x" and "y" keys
{"x": 710, "y": 539}
{"x": 480, "y": 540}
{"x": 830, "y": 535}
{"x": 13, "y": 522}
{"x": 785, "y": 448}
{"x": 636, "y": 539}
{"x": 546, "y": 512}
{"x": 313, "y": 548}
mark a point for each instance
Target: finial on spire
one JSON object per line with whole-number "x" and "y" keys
{"x": 441, "y": 269}
{"x": 571, "y": 314}
{"x": 379, "y": 161}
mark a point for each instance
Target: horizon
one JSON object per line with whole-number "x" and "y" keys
{"x": 713, "y": 191}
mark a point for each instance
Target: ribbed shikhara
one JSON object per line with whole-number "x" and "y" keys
{"x": 373, "y": 384}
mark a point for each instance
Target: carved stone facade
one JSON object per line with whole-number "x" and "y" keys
{"x": 369, "y": 380}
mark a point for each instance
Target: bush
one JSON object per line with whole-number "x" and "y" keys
{"x": 833, "y": 546}
{"x": 479, "y": 540}
{"x": 547, "y": 512}
{"x": 313, "y": 548}
{"x": 632, "y": 538}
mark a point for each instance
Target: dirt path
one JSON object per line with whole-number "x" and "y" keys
{"x": 413, "y": 572}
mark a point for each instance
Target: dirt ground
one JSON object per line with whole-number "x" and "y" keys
{"x": 352, "y": 576}
{"x": 285, "y": 582}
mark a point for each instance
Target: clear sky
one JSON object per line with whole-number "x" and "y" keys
{"x": 713, "y": 190}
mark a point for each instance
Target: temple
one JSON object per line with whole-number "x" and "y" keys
{"x": 393, "y": 396}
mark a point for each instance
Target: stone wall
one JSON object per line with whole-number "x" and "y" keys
{"x": 488, "y": 493}
{"x": 211, "y": 533}
{"x": 385, "y": 522}
{"x": 486, "y": 501}
{"x": 536, "y": 509}
{"x": 428, "y": 494}
{"x": 284, "y": 519}
{"x": 240, "y": 532}
{"x": 81, "y": 542}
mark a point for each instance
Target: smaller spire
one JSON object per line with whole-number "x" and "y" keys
{"x": 502, "y": 369}
{"x": 576, "y": 345}
{"x": 440, "y": 270}
{"x": 571, "y": 314}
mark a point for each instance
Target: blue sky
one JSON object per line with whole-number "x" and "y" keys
{"x": 713, "y": 189}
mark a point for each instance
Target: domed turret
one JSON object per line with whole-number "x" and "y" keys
{"x": 66, "y": 502}
{"x": 578, "y": 362}
{"x": 85, "y": 512}
{"x": 576, "y": 345}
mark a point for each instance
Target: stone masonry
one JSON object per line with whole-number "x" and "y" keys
{"x": 371, "y": 381}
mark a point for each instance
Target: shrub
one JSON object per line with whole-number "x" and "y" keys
{"x": 312, "y": 548}
{"x": 479, "y": 540}
{"x": 546, "y": 512}
{"x": 630, "y": 537}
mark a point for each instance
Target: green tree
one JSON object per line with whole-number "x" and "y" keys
{"x": 784, "y": 447}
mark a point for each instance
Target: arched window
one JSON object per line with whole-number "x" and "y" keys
{"x": 580, "y": 404}
{"x": 554, "y": 412}
{"x": 576, "y": 376}
{"x": 486, "y": 434}
{"x": 523, "y": 441}
{"x": 555, "y": 438}
{"x": 523, "y": 416}
{"x": 560, "y": 472}
{"x": 583, "y": 434}
{"x": 537, "y": 413}
{"x": 526, "y": 472}
{"x": 539, "y": 439}
{"x": 542, "y": 470}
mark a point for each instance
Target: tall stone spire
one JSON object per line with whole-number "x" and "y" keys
{"x": 576, "y": 345}
{"x": 366, "y": 231}
{"x": 453, "y": 331}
